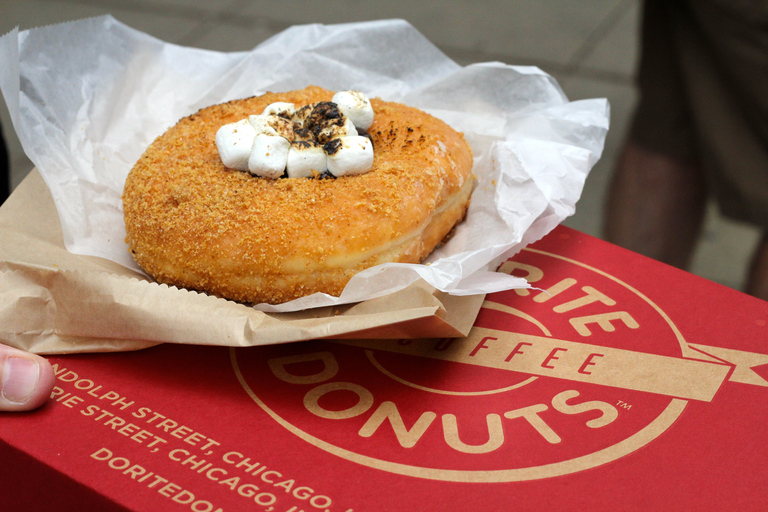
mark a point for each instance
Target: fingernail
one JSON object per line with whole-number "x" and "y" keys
{"x": 20, "y": 378}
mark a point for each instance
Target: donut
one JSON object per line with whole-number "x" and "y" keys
{"x": 193, "y": 223}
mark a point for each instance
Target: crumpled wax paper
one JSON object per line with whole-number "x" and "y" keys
{"x": 88, "y": 97}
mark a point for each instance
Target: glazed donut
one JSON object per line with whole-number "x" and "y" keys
{"x": 194, "y": 223}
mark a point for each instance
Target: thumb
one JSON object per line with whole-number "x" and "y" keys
{"x": 26, "y": 380}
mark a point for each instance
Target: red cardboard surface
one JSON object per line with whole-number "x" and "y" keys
{"x": 618, "y": 384}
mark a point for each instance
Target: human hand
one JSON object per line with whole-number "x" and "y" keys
{"x": 26, "y": 380}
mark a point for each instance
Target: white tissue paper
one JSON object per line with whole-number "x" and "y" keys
{"x": 87, "y": 97}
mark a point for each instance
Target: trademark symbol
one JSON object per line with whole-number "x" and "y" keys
{"x": 623, "y": 405}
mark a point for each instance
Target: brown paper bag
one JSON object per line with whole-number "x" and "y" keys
{"x": 53, "y": 301}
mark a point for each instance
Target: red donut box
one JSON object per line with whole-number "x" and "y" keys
{"x": 618, "y": 383}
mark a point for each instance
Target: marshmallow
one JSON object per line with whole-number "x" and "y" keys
{"x": 234, "y": 142}
{"x": 303, "y": 134}
{"x": 272, "y": 125}
{"x": 305, "y": 157}
{"x": 268, "y": 156}
{"x": 302, "y": 114}
{"x": 281, "y": 109}
{"x": 349, "y": 155}
{"x": 332, "y": 129}
{"x": 325, "y": 112}
{"x": 356, "y": 106}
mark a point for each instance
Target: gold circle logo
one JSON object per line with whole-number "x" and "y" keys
{"x": 573, "y": 374}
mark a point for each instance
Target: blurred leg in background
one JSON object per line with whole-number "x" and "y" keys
{"x": 656, "y": 205}
{"x": 700, "y": 129}
{"x": 758, "y": 275}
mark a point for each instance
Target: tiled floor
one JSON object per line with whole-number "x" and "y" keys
{"x": 589, "y": 47}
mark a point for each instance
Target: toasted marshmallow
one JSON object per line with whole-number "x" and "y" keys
{"x": 318, "y": 138}
{"x": 305, "y": 157}
{"x": 268, "y": 156}
{"x": 234, "y": 142}
{"x": 302, "y": 114}
{"x": 280, "y": 108}
{"x": 272, "y": 125}
{"x": 322, "y": 114}
{"x": 303, "y": 134}
{"x": 356, "y": 106}
{"x": 334, "y": 129}
{"x": 349, "y": 156}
